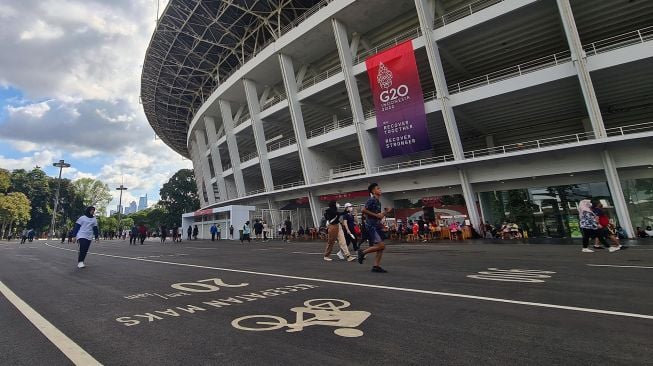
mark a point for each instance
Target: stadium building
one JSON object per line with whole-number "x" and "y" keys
{"x": 482, "y": 110}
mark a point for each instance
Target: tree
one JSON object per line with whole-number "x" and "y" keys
{"x": 71, "y": 205}
{"x": 106, "y": 224}
{"x": 178, "y": 196}
{"x": 5, "y": 180}
{"x": 34, "y": 184}
{"x": 14, "y": 209}
{"x": 93, "y": 193}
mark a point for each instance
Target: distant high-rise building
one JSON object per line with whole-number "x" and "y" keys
{"x": 112, "y": 212}
{"x": 132, "y": 208}
{"x": 142, "y": 203}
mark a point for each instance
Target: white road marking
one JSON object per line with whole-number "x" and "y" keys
{"x": 66, "y": 345}
{"x": 617, "y": 266}
{"x": 402, "y": 289}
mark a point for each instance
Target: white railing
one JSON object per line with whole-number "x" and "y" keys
{"x": 349, "y": 167}
{"x": 511, "y": 72}
{"x": 283, "y": 143}
{"x": 411, "y": 34}
{"x": 256, "y": 191}
{"x": 226, "y": 167}
{"x": 320, "y": 77}
{"x": 248, "y": 156}
{"x": 635, "y": 128}
{"x": 335, "y": 125}
{"x": 463, "y": 12}
{"x": 533, "y": 144}
{"x": 289, "y": 185}
{"x": 272, "y": 101}
{"x": 241, "y": 120}
{"x": 314, "y": 9}
{"x": 412, "y": 163}
{"x": 622, "y": 40}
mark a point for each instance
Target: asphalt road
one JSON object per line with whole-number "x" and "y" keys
{"x": 223, "y": 303}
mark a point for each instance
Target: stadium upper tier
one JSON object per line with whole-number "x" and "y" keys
{"x": 197, "y": 45}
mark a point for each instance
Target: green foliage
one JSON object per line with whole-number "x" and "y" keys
{"x": 93, "y": 193}
{"x": 34, "y": 184}
{"x": 178, "y": 196}
{"x": 5, "y": 180}
{"x": 107, "y": 223}
{"x": 14, "y": 211}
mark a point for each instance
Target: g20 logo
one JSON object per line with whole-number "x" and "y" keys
{"x": 394, "y": 93}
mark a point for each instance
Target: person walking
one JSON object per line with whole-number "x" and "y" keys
{"x": 64, "y": 233}
{"x": 214, "y": 231}
{"x": 189, "y": 232}
{"x": 349, "y": 224}
{"x": 85, "y": 230}
{"x": 265, "y": 231}
{"x": 23, "y": 236}
{"x": 218, "y": 231}
{"x": 142, "y": 232}
{"x": 175, "y": 233}
{"x": 164, "y": 233}
{"x": 133, "y": 235}
{"x": 196, "y": 232}
{"x": 246, "y": 234}
{"x": 334, "y": 232}
{"x": 287, "y": 226}
{"x": 373, "y": 226}
{"x": 231, "y": 232}
{"x": 258, "y": 229}
{"x": 588, "y": 223}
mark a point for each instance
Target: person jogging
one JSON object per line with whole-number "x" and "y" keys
{"x": 334, "y": 232}
{"x": 85, "y": 230}
{"x": 373, "y": 226}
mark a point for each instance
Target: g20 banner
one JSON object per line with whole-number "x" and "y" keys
{"x": 398, "y": 101}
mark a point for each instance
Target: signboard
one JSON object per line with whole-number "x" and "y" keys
{"x": 340, "y": 196}
{"x": 203, "y": 212}
{"x": 398, "y": 101}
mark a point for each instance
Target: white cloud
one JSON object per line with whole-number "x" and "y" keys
{"x": 38, "y": 158}
{"x": 42, "y": 31}
{"x": 36, "y": 110}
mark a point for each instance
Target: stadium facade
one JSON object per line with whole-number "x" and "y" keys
{"x": 507, "y": 110}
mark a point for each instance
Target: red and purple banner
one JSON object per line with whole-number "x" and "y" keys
{"x": 398, "y": 100}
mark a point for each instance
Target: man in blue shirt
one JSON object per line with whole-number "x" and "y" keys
{"x": 374, "y": 227}
{"x": 214, "y": 231}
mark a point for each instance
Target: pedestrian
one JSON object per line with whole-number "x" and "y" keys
{"x": 64, "y": 233}
{"x": 588, "y": 223}
{"x": 189, "y": 232}
{"x": 288, "y": 229}
{"x": 231, "y": 232}
{"x": 349, "y": 224}
{"x": 30, "y": 235}
{"x": 334, "y": 232}
{"x": 373, "y": 226}
{"x": 133, "y": 235}
{"x": 85, "y": 230}
{"x": 265, "y": 231}
{"x": 213, "y": 230}
{"x": 164, "y": 233}
{"x": 196, "y": 231}
{"x": 258, "y": 229}
{"x": 246, "y": 233}
{"x": 175, "y": 233}
{"x": 218, "y": 232}
{"x": 142, "y": 232}
{"x": 23, "y": 236}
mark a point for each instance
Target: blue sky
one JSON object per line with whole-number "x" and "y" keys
{"x": 69, "y": 89}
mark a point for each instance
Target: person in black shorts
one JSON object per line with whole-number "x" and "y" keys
{"x": 287, "y": 230}
{"x": 373, "y": 226}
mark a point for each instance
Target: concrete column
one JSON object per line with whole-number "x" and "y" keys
{"x": 617, "y": 193}
{"x": 369, "y": 150}
{"x": 197, "y": 172}
{"x": 470, "y": 200}
{"x": 234, "y": 157}
{"x": 259, "y": 133}
{"x": 314, "y": 203}
{"x": 312, "y": 166}
{"x": 204, "y": 163}
{"x": 579, "y": 58}
{"x": 209, "y": 125}
{"x": 425, "y": 14}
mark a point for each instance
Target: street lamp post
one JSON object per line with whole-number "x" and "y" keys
{"x": 121, "y": 188}
{"x": 61, "y": 164}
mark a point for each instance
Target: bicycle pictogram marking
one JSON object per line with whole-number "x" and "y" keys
{"x": 325, "y": 312}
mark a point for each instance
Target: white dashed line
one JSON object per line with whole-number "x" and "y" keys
{"x": 618, "y": 266}
{"x": 66, "y": 345}
{"x": 392, "y": 288}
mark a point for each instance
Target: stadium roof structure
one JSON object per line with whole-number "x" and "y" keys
{"x": 197, "y": 45}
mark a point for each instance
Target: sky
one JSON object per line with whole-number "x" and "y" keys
{"x": 69, "y": 89}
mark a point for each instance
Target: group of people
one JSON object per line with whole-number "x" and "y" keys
{"x": 341, "y": 227}
{"x": 596, "y": 226}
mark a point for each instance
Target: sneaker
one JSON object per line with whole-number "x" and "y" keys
{"x": 340, "y": 255}
{"x": 80, "y": 265}
{"x": 378, "y": 269}
{"x": 587, "y": 250}
{"x": 350, "y": 258}
{"x": 361, "y": 256}
{"x": 328, "y": 259}
{"x": 614, "y": 249}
